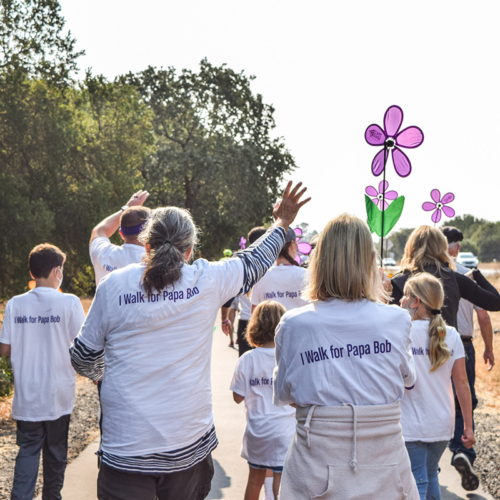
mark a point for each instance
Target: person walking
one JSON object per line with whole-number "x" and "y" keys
{"x": 344, "y": 360}
{"x": 270, "y": 429}
{"x": 150, "y": 329}
{"x": 37, "y": 331}
{"x": 463, "y": 457}
{"x": 428, "y": 410}
{"x": 130, "y": 220}
{"x": 427, "y": 251}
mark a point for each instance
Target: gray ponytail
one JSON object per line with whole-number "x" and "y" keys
{"x": 170, "y": 233}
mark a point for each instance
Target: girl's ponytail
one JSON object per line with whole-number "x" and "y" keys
{"x": 430, "y": 291}
{"x": 284, "y": 253}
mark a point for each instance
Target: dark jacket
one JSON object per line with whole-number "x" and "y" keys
{"x": 456, "y": 286}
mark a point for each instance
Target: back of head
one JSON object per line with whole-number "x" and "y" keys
{"x": 255, "y": 234}
{"x": 430, "y": 291}
{"x": 133, "y": 220}
{"x": 263, "y": 323}
{"x": 285, "y": 251}
{"x": 454, "y": 236}
{"x": 425, "y": 246}
{"x": 344, "y": 264}
{"x": 169, "y": 234}
{"x": 43, "y": 258}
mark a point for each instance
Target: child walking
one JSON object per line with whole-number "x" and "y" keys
{"x": 428, "y": 410}
{"x": 270, "y": 429}
{"x": 37, "y": 332}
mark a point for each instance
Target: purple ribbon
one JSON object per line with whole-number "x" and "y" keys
{"x": 127, "y": 231}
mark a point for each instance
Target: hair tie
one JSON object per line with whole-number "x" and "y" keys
{"x": 167, "y": 241}
{"x": 436, "y": 311}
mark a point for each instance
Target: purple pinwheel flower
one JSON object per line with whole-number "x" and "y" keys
{"x": 242, "y": 243}
{"x": 378, "y": 196}
{"x": 390, "y": 137}
{"x": 439, "y": 205}
{"x": 304, "y": 247}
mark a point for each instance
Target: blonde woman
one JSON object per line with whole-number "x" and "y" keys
{"x": 427, "y": 251}
{"x": 428, "y": 411}
{"x": 344, "y": 360}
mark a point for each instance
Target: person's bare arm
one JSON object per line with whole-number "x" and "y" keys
{"x": 253, "y": 308}
{"x": 5, "y": 350}
{"x": 226, "y": 324}
{"x": 483, "y": 318}
{"x": 462, "y": 389}
{"x": 237, "y": 398}
{"x": 107, "y": 227}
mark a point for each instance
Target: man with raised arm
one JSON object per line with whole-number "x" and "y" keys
{"x": 130, "y": 220}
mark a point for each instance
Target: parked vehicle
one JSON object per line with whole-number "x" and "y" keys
{"x": 468, "y": 259}
{"x": 388, "y": 262}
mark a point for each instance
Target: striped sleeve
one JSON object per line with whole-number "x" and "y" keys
{"x": 87, "y": 362}
{"x": 260, "y": 256}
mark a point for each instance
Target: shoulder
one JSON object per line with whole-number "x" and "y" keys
{"x": 461, "y": 269}
{"x": 70, "y": 298}
{"x": 100, "y": 243}
{"x": 300, "y": 316}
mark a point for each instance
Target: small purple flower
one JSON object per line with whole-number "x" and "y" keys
{"x": 304, "y": 247}
{"x": 242, "y": 243}
{"x": 439, "y": 205}
{"x": 377, "y": 196}
{"x": 391, "y": 137}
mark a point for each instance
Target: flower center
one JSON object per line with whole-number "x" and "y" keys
{"x": 380, "y": 196}
{"x": 389, "y": 143}
{"x": 439, "y": 205}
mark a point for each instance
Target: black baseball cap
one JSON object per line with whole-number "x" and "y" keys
{"x": 290, "y": 235}
{"x": 452, "y": 234}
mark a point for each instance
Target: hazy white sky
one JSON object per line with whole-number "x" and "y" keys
{"x": 331, "y": 68}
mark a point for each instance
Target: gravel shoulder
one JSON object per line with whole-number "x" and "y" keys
{"x": 83, "y": 429}
{"x": 487, "y": 464}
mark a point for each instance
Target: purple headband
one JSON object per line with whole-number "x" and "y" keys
{"x": 127, "y": 231}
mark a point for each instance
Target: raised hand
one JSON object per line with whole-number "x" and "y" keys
{"x": 285, "y": 212}
{"x": 137, "y": 199}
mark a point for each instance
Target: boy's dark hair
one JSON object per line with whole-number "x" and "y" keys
{"x": 134, "y": 216}
{"x": 256, "y": 233}
{"x": 263, "y": 323}
{"x": 43, "y": 258}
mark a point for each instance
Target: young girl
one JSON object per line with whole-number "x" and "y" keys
{"x": 270, "y": 429}
{"x": 428, "y": 410}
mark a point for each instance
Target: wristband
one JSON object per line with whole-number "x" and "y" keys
{"x": 225, "y": 321}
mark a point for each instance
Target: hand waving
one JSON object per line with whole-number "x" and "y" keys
{"x": 285, "y": 212}
{"x": 137, "y": 199}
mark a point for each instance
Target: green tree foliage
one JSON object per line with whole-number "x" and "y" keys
{"x": 399, "y": 238}
{"x": 214, "y": 153}
{"x": 32, "y": 37}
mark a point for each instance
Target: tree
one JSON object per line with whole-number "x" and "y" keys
{"x": 32, "y": 37}
{"x": 214, "y": 152}
{"x": 399, "y": 238}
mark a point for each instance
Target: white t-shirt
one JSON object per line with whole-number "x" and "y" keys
{"x": 107, "y": 257}
{"x": 244, "y": 305}
{"x": 156, "y": 392}
{"x": 333, "y": 352}
{"x": 270, "y": 429}
{"x": 465, "y": 314}
{"x": 40, "y": 327}
{"x": 428, "y": 410}
{"x": 282, "y": 284}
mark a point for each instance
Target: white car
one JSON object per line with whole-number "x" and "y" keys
{"x": 468, "y": 259}
{"x": 388, "y": 262}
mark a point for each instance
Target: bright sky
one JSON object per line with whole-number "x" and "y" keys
{"x": 331, "y": 69}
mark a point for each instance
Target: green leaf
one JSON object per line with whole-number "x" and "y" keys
{"x": 391, "y": 215}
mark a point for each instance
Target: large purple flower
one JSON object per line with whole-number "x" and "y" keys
{"x": 391, "y": 138}
{"x": 439, "y": 205}
{"x": 304, "y": 247}
{"x": 378, "y": 196}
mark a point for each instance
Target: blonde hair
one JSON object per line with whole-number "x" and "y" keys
{"x": 426, "y": 245}
{"x": 431, "y": 294}
{"x": 263, "y": 323}
{"x": 344, "y": 265}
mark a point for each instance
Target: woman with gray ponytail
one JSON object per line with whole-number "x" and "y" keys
{"x": 428, "y": 409}
{"x": 150, "y": 330}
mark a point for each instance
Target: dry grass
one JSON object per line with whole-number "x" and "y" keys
{"x": 488, "y": 382}
{"x": 490, "y": 265}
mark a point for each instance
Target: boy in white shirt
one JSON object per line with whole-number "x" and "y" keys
{"x": 37, "y": 332}
{"x": 130, "y": 220}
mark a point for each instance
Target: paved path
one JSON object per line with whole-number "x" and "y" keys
{"x": 230, "y": 469}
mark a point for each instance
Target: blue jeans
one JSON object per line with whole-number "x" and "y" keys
{"x": 424, "y": 459}
{"x": 456, "y": 445}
